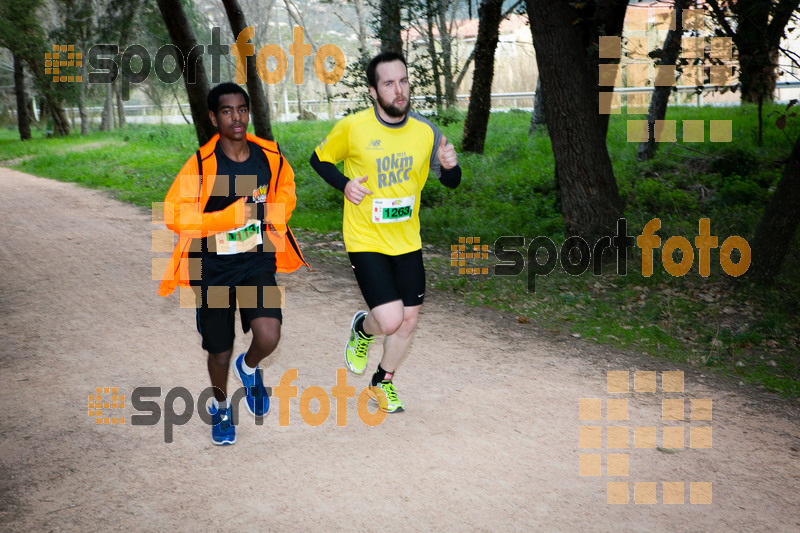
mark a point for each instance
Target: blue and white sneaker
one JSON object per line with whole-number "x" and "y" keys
{"x": 257, "y": 398}
{"x": 223, "y": 432}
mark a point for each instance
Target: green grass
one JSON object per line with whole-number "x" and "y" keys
{"x": 725, "y": 325}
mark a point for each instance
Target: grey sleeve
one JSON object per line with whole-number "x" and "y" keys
{"x": 435, "y": 166}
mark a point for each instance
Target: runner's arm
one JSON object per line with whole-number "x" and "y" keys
{"x": 183, "y": 211}
{"x": 329, "y": 172}
{"x": 451, "y": 177}
{"x": 284, "y": 194}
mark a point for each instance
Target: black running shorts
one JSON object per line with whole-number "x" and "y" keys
{"x": 385, "y": 278}
{"x": 216, "y": 324}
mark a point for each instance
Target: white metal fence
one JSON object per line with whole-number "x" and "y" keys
{"x": 287, "y": 110}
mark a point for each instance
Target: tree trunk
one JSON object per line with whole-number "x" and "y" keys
{"x": 44, "y": 111}
{"x": 480, "y": 96}
{"x": 463, "y": 71}
{"x": 120, "y": 107}
{"x": 107, "y": 120}
{"x": 60, "y": 122}
{"x": 778, "y": 224}
{"x": 447, "y": 54}
{"x": 430, "y": 9}
{"x": 390, "y": 26}
{"x": 539, "y": 116}
{"x": 590, "y": 200}
{"x": 259, "y": 109}
{"x": 21, "y": 32}
{"x": 757, "y": 73}
{"x": 661, "y": 93}
{"x": 52, "y": 108}
{"x": 23, "y": 118}
{"x": 84, "y": 114}
{"x": 180, "y": 31}
{"x": 363, "y": 44}
{"x": 760, "y": 26}
{"x": 607, "y": 20}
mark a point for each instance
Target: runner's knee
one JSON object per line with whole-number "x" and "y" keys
{"x": 389, "y": 323}
{"x": 265, "y": 339}
{"x": 409, "y": 323}
{"x": 221, "y": 359}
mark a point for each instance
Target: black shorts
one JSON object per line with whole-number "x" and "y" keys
{"x": 216, "y": 324}
{"x": 385, "y": 278}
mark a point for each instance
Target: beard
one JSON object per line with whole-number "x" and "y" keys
{"x": 392, "y": 110}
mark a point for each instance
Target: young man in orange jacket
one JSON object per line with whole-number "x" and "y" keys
{"x": 229, "y": 206}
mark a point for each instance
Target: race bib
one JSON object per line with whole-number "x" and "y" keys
{"x": 239, "y": 240}
{"x": 388, "y": 210}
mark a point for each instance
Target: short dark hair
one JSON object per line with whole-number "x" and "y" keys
{"x": 383, "y": 57}
{"x": 225, "y": 88}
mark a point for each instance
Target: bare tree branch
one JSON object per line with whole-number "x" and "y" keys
{"x": 722, "y": 20}
{"x": 783, "y": 13}
{"x": 471, "y": 56}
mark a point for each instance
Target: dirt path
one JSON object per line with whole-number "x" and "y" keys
{"x": 489, "y": 440}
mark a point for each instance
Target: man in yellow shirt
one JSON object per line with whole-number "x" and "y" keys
{"x": 387, "y": 153}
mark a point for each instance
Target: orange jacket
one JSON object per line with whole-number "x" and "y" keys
{"x": 189, "y": 193}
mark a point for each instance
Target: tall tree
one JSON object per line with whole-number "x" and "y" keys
{"x": 22, "y": 33}
{"x": 447, "y": 48}
{"x": 778, "y": 224}
{"x": 296, "y": 15}
{"x": 430, "y": 13}
{"x": 566, "y": 51}
{"x": 78, "y": 28}
{"x": 660, "y": 99}
{"x": 259, "y": 108}
{"x": 390, "y": 26}
{"x": 107, "y": 117}
{"x": 116, "y": 26}
{"x": 756, "y": 28}
{"x": 480, "y": 95}
{"x": 463, "y": 70}
{"x": 599, "y": 18}
{"x": 23, "y": 117}
{"x": 180, "y": 31}
{"x": 361, "y": 20}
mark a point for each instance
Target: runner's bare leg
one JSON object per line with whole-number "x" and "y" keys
{"x": 397, "y": 323}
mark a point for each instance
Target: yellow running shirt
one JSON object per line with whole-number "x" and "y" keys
{"x": 396, "y": 158}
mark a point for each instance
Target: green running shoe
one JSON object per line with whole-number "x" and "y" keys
{"x": 386, "y": 395}
{"x": 357, "y": 348}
